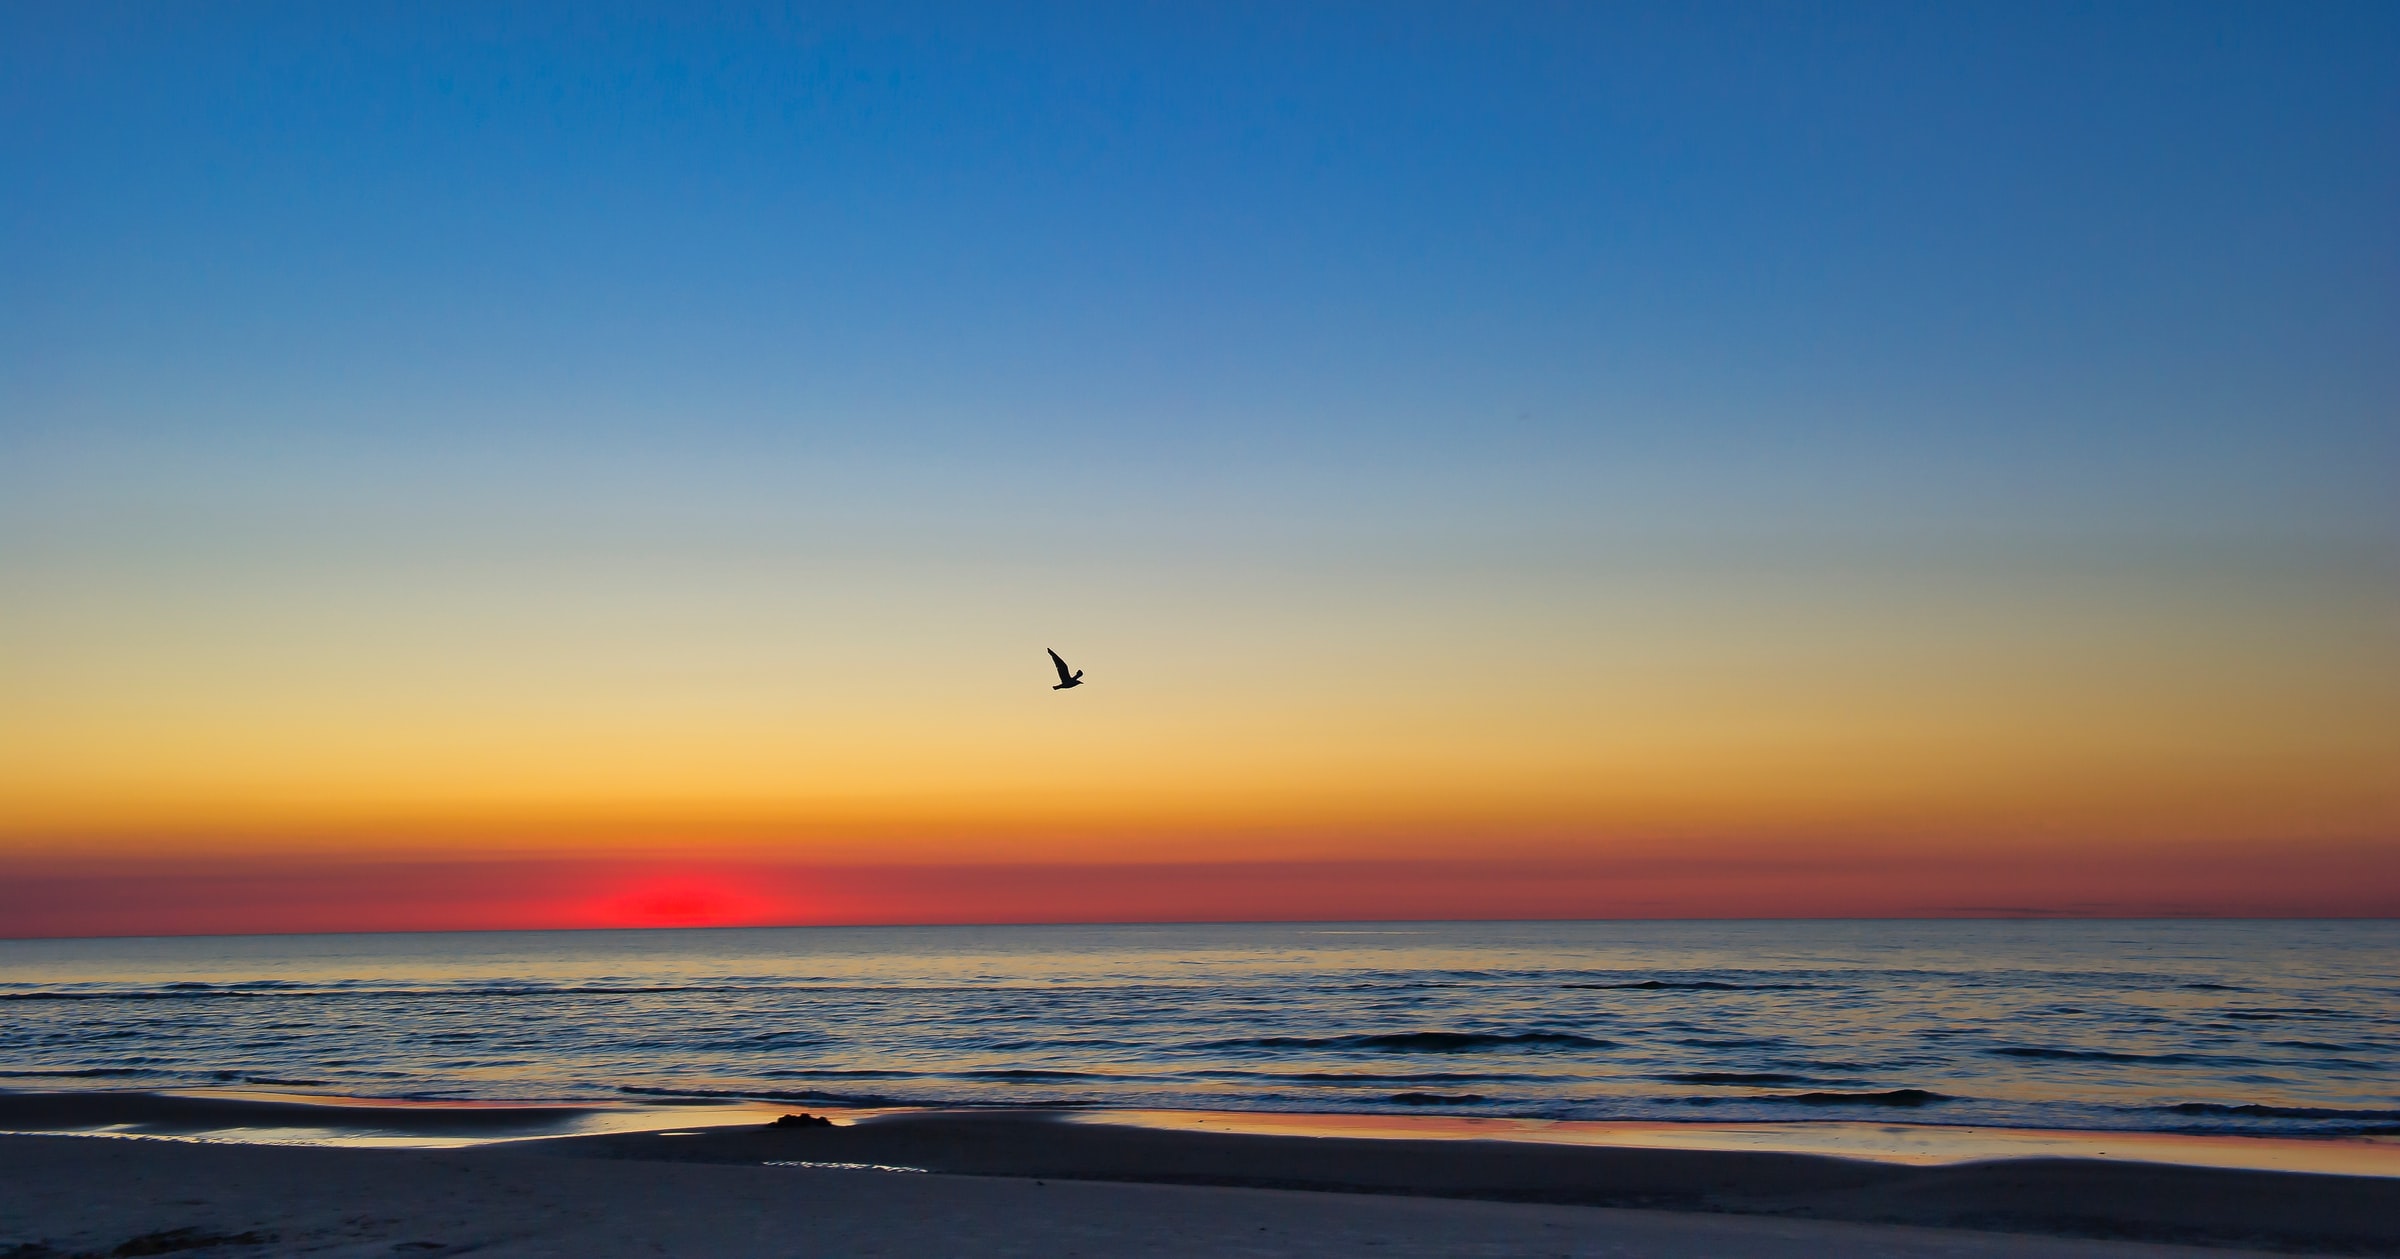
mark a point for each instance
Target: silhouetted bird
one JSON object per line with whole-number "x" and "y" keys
{"x": 1065, "y": 679}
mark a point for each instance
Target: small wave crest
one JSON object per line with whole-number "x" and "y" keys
{"x": 2256, "y": 1111}
{"x": 2112, "y": 1055}
{"x": 1375, "y": 1077}
{"x": 1419, "y": 1042}
{"x": 151, "y": 994}
{"x": 1888, "y": 1097}
{"x": 1686, "y": 985}
{"x": 1733, "y": 1077}
{"x": 846, "y": 1099}
{"x": 776, "y": 1095}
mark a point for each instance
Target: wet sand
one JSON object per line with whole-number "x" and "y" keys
{"x": 1922, "y": 1144}
{"x": 1029, "y": 1184}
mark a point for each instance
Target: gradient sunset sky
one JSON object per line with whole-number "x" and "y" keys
{"x": 471, "y": 466}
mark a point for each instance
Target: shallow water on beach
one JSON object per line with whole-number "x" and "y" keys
{"x": 2287, "y": 1028}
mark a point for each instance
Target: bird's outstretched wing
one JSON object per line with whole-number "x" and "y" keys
{"x": 1063, "y": 676}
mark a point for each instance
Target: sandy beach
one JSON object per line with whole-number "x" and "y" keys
{"x": 1030, "y": 1185}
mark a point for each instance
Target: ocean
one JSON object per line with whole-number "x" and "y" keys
{"x": 2282, "y": 1028}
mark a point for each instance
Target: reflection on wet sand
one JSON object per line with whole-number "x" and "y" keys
{"x": 253, "y": 1118}
{"x": 1926, "y": 1144}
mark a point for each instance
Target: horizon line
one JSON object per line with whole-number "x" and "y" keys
{"x": 2026, "y": 916}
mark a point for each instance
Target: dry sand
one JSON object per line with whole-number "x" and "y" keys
{"x": 1045, "y": 1189}
{"x": 82, "y": 1195}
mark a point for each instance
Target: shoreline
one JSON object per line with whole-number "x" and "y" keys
{"x": 2049, "y": 1196}
{"x": 2152, "y": 1202}
{"x": 266, "y": 1117}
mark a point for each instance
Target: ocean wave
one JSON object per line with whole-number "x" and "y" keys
{"x": 1438, "y": 1099}
{"x": 1732, "y": 1077}
{"x": 354, "y": 990}
{"x": 873, "y": 1100}
{"x": 1419, "y": 1042}
{"x": 836, "y": 1073}
{"x": 2112, "y": 1055}
{"x": 1021, "y": 1046}
{"x": 1029, "y": 1073}
{"x": 736, "y": 1043}
{"x": 1888, "y": 1097}
{"x": 1687, "y": 985}
{"x": 146, "y": 994}
{"x": 779, "y": 1095}
{"x": 2257, "y": 1111}
{"x": 1372, "y": 1077}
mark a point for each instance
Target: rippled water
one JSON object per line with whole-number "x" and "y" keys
{"x": 2290, "y": 1027}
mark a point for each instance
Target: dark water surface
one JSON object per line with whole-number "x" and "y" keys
{"x": 2258, "y": 1027}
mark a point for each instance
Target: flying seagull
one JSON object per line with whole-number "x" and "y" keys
{"x": 1065, "y": 679}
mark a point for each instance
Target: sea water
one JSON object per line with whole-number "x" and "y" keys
{"x": 2287, "y": 1028}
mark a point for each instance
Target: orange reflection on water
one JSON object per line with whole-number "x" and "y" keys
{"x": 1879, "y": 1142}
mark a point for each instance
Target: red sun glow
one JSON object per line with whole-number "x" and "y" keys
{"x": 685, "y": 900}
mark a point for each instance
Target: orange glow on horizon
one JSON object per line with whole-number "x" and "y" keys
{"x": 251, "y": 895}
{"x": 1684, "y": 743}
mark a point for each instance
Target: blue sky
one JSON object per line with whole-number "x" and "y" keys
{"x": 2017, "y": 232}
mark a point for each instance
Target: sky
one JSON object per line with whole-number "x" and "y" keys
{"x": 470, "y": 466}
